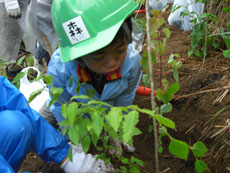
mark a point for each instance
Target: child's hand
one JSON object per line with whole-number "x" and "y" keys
{"x": 13, "y": 9}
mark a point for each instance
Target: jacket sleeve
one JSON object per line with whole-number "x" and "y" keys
{"x": 133, "y": 77}
{"x": 4, "y": 166}
{"x": 47, "y": 142}
{"x": 59, "y": 72}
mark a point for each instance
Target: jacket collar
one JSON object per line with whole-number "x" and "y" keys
{"x": 84, "y": 75}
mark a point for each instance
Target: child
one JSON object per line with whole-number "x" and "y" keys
{"x": 94, "y": 48}
{"x": 23, "y": 130}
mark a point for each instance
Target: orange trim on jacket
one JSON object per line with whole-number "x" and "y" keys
{"x": 84, "y": 75}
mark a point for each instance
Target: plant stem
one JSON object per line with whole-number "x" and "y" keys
{"x": 152, "y": 85}
{"x": 205, "y": 48}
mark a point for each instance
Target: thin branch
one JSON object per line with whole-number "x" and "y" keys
{"x": 202, "y": 92}
{"x": 152, "y": 85}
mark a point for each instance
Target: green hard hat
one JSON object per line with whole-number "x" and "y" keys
{"x": 84, "y": 26}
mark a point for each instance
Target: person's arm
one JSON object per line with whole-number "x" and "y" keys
{"x": 47, "y": 141}
{"x": 133, "y": 77}
{"x": 60, "y": 75}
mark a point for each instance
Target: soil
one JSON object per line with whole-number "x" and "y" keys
{"x": 196, "y": 116}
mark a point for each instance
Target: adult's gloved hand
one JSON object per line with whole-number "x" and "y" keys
{"x": 84, "y": 163}
{"x": 13, "y": 9}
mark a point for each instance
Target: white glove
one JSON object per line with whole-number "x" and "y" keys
{"x": 13, "y": 8}
{"x": 84, "y": 163}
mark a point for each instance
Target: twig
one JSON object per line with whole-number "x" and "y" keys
{"x": 227, "y": 127}
{"x": 166, "y": 170}
{"x": 152, "y": 85}
{"x": 221, "y": 96}
{"x": 45, "y": 64}
{"x": 48, "y": 45}
{"x": 202, "y": 92}
{"x": 194, "y": 125}
{"x": 205, "y": 49}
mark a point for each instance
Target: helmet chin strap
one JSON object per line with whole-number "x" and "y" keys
{"x": 127, "y": 30}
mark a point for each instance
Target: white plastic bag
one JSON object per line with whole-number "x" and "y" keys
{"x": 27, "y": 87}
{"x": 157, "y": 4}
{"x": 183, "y": 22}
{"x": 138, "y": 36}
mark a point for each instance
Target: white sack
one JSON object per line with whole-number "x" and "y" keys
{"x": 183, "y": 21}
{"x": 27, "y": 87}
{"x": 159, "y": 4}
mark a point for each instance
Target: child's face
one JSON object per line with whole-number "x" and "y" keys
{"x": 108, "y": 59}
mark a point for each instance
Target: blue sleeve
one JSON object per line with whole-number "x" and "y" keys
{"x": 4, "y": 166}
{"x": 48, "y": 142}
{"x": 133, "y": 77}
{"x": 60, "y": 74}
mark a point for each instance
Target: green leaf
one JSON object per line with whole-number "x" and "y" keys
{"x": 179, "y": 148}
{"x": 18, "y": 77}
{"x": 227, "y": 41}
{"x": 134, "y": 169}
{"x": 72, "y": 112}
{"x": 129, "y": 130}
{"x": 55, "y": 92}
{"x": 94, "y": 138}
{"x": 165, "y": 121}
{"x": 155, "y": 12}
{"x": 115, "y": 117}
{"x": 80, "y": 97}
{"x": 124, "y": 160}
{"x": 30, "y": 60}
{"x": 200, "y": 166}
{"x": 64, "y": 123}
{"x": 64, "y": 110}
{"x": 48, "y": 79}
{"x": 34, "y": 94}
{"x": 165, "y": 108}
{"x": 150, "y": 129}
{"x": 199, "y": 149}
{"x": 70, "y": 81}
{"x": 82, "y": 124}
{"x": 167, "y": 32}
{"x": 86, "y": 143}
{"x": 161, "y": 48}
{"x": 19, "y": 62}
{"x": 162, "y": 131}
{"x": 160, "y": 149}
{"x": 175, "y": 7}
{"x": 146, "y": 79}
{"x": 146, "y": 111}
{"x": 90, "y": 92}
{"x": 174, "y": 88}
{"x": 70, "y": 156}
{"x": 52, "y": 101}
{"x": 97, "y": 123}
{"x": 74, "y": 134}
{"x": 98, "y": 103}
{"x": 136, "y": 160}
{"x": 175, "y": 74}
{"x": 197, "y": 53}
{"x": 123, "y": 169}
{"x": 111, "y": 131}
{"x": 226, "y": 53}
